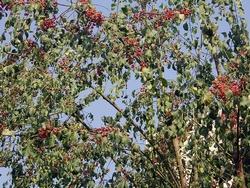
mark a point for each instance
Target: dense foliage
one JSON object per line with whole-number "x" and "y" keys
{"x": 187, "y": 130}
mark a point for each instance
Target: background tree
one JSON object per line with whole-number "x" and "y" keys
{"x": 190, "y": 131}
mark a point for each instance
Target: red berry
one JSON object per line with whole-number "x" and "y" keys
{"x": 138, "y": 52}
{"x": 43, "y": 133}
{"x": 48, "y": 23}
{"x": 84, "y": 1}
{"x": 94, "y": 16}
{"x": 185, "y": 11}
{"x": 235, "y": 88}
{"x": 168, "y": 14}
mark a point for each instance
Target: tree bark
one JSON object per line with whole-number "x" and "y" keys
{"x": 180, "y": 167}
{"x": 240, "y": 173}
{"x": 239, "y": 162}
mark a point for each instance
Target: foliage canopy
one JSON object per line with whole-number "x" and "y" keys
{"x": 58, "y": 58}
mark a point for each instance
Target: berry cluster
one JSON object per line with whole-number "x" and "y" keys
{"x": 138, "y": 52}
{"x": 30, "y": 43}
{"x": 94, "y": 16}
{"x": 171, "y": 14}
{"x": 133, "y": 43}
{"x": 235, "y": 87}
{"x": 64, "y": 64}
{"x": 222, "y": 85}
{"x": 3, "y": 114}
{"x": 84, "y": 2}
{"x": 143, "y": 14}
{"x": 233, "y": 119}
{"x": 167, "y": 14}
{"x": 104, "y": 131}
{"x": 48, "y": 23}
{"x": 185, "y": 11}
{"x": 44, "y": 132}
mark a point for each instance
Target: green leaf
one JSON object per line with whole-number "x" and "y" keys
{"x": 185, "y": 26}
{"x": 125, "y": 10}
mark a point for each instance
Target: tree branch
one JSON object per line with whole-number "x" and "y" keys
{"x": 166, "y": 165}
{"x": 78, "y": 117}
{"x": 216, "y": 62}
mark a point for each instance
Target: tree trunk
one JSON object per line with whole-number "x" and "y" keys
{"x": 240, "y": 173}
{"x": 180, "y": 167}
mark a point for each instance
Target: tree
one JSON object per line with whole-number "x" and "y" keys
{"x": 58, "y": 58}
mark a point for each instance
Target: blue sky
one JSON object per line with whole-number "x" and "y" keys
{"x": 100, "y": 108}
